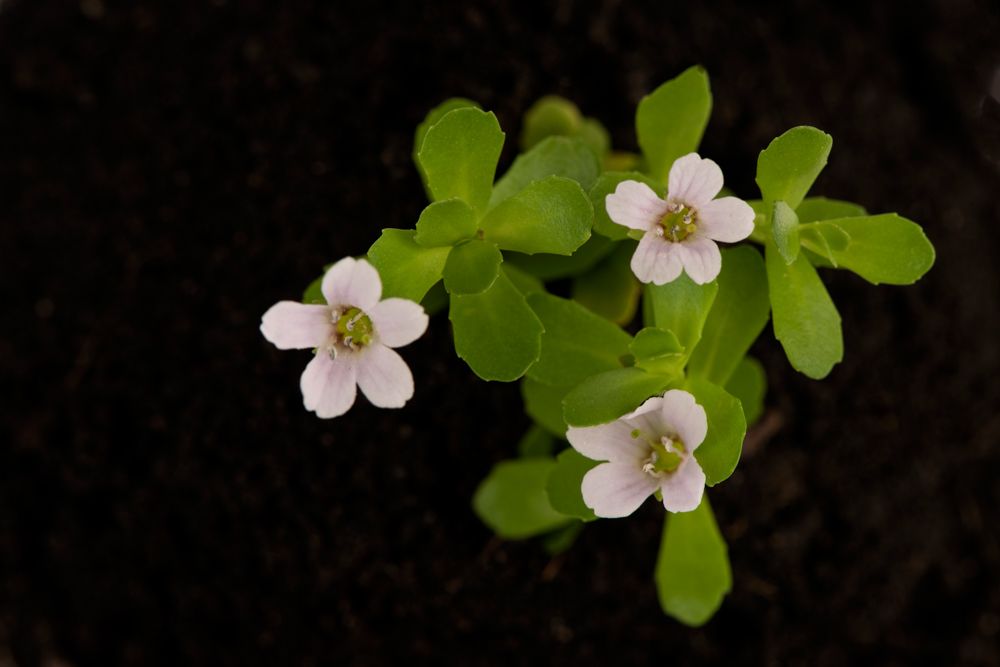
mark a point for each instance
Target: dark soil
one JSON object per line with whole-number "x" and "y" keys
{"x": 169, "y": 170}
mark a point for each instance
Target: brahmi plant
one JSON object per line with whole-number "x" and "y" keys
{"x": 639, "y": 383}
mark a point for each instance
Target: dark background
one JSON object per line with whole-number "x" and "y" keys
{"x": 170, "y": 169}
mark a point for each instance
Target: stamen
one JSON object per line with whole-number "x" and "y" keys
{"x": 679, "y": 222}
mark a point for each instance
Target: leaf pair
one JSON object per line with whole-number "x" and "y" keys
{"x": 539, "y": 206}
{"x": 803, "y": 233}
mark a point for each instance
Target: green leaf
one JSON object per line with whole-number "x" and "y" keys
{"x": 623, "y": 161}
{"x": 787, "y": 168}
{"x": 435, "y": 300}
{"x": 550, "y": 116}
{"x": 595, "y": 135}
{"x": 605, "y": 397}
{"x": 445, "y": 223}
{"x": 555, "y": 156}
{"x": 314, "y": 292}
{"x": 610, "y": 289}
{"x": 820, "y": 208}
{"x": 738, "y": 315}
{"x": 727, "y": 426}
{"x": 459, "y": 154}
{"x": 681, "y": 306}
{"x": 496, "y": 332}
{"x": 805, "y": 320}
{"x": 554, "y": 116}
{"x": 543, "y": 403}
{"x": 525, "y": 283}
{"x": 513, "y": 502}
{"x": 785, "y": 229}
{"x": 553, "y": 267}
{"x": 407, "y": 269}
{"x": 692, "y": 569}
{"x": 537, "y": 442}
{"x": 576, "y": 343}
{"x": 564, "y": 482}
{"x": 651, "y": 343}
{"x": 553, "y": 216}
{"x": 671, "y": 120}
{"x": 748, "y": 383}
{"x": 606, "y": 184}
{"x": 433, "y": 116}
{"x": 472, "y": 267}
{"x": 561, "y": 539}
{"x": 657, "y": 351}
{"x": 883, "y": 248}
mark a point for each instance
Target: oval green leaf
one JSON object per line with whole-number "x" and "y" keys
{"x": 555, "y": 156}
{"x": 785, "y": 231}
{"x": 472, "y": 267}
{"x": 576, "y": 343}
{"x": 537, "y": 442}
{"x": 459, "y": 154}
{"x": 513, "y": 502}
{"x": 407, "y": 269}
{"x": 682, "y": 307}
{"x": 551, "y": 116}
{"x": 496, "y": 332}
{"x": 883, "y": 248}
{"x": 544, "y": 404}
{"x": 610, "y": 289}
{"x": 787, "y": 168}
{"x": 692, "y": 569}
{"x": 564, "y": 483}
{"x": 821, "y": 208}
{"x": 433, "y": 116}
{"x": 553, "y": 216}
{"x": 553, "y": 267}
{"x": 719, "y": 453}
{"x": 671, "y": 120}
{"x": 445, "y": 223}
{"x": 806, "y": 321}
{"x": 738, "y": 315}
{"x": 605, "y": 397}
{"x": 748, "y": 383}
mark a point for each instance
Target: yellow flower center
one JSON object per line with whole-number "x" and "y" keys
{"x": 678, "y": 222}
{"x": 665, "y": 455}
{"x": 353, "y": 328}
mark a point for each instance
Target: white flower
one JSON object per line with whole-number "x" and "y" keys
{"x": 352, "y": 336}
{"x": 648, "y": 449}
{"x": 681, "y": 230}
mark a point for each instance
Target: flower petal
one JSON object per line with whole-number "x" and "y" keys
{"x": 648, "y": 418}
{"x": 656, "y": 260}
{"x": 728, "y": 219}
{"x": 694, "y": 180}
{"x": 701, "y": 258}
{"x": 398, "y": 322}
{"x": 635, "y": 205}
{"x": 384, "y": 377}
{"x": 682, "y": 489}
{"x": 683, "y": 416}
{"x": 614, "y": 490}
{"x": 352, "y": 282}
{"x": 329, "y": 385}
{"x": 608, "y": 442}
{"x": 296, "y": 326}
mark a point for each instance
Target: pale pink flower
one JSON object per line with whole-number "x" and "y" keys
{"x": 680, "y": 231}
{"x": 352, "y": 337}
{"x": 648, "y": 449}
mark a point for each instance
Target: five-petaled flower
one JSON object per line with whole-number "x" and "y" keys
{"x": 352, "y": 336}
{"x": 648, "y": 449}
{"x": 681, "y": 230}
